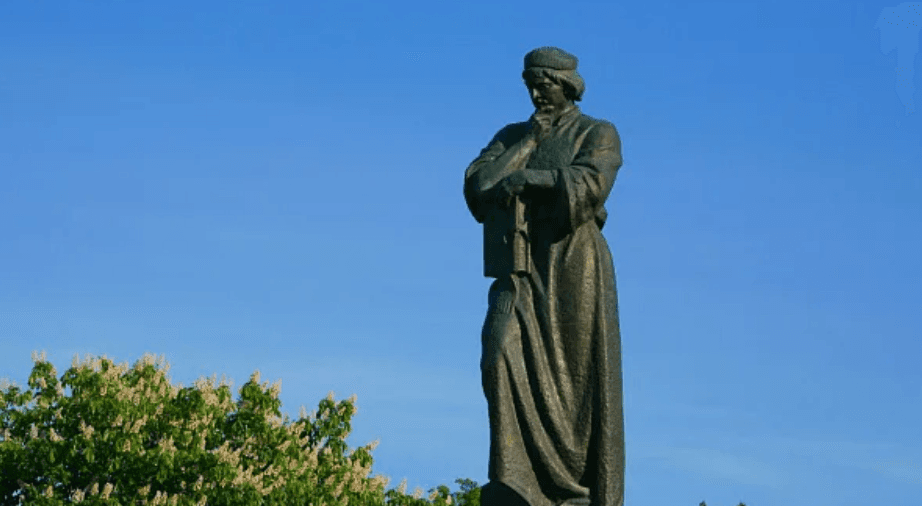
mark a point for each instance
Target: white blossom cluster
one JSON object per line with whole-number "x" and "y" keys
{"x": 135, "y": 416}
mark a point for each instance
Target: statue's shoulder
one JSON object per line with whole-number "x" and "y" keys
{"x": 512, "y": 133}
{"x": 588, "y": 121}
{"x": 601, "y": 129}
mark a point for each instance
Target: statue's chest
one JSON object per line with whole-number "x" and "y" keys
{"x": 558, "y": 150}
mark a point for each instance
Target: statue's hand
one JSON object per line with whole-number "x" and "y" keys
{"x": 511, "y": 186}
{"x": 540, "y": 125}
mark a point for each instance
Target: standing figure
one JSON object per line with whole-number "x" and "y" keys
{"x": 551, "y": 364}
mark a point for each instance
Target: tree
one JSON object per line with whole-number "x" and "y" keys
{"x": 107, "y": 433}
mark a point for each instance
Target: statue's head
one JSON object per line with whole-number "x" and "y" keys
{"x": 552, "y": 67}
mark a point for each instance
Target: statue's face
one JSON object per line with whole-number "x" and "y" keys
{"x": 547, "y": 96}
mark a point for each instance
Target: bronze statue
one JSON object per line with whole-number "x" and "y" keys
{"x": 551, "y": 364}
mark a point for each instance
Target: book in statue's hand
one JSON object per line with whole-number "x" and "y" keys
{"x": 505, "y": 241}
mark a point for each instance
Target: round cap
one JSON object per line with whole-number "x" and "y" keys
{"x": 550, "y": 57}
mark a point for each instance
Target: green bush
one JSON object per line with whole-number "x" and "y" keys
{"x": 127, "y": 435}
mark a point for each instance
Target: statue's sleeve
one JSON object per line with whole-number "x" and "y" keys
{"x": 479, "y": 199}
{"x": 584, "y": 185}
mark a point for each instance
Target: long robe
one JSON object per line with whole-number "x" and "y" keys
{"x": 552, "y": 371}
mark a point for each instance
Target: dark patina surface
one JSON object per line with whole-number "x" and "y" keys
{"x": 551, "y": 364}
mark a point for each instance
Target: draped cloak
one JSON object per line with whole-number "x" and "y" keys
{"x": 552, "y": 372}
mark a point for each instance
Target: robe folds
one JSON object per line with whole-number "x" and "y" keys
{"x": 551, "y": 367}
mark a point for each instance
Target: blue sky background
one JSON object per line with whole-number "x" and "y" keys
{"x": 277, "y": 186}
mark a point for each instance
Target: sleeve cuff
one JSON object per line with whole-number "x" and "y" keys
{"x": 542, "y": 178}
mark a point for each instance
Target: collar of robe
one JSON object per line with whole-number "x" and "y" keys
{"x": 570, "y": 112}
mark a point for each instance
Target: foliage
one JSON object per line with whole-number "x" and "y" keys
{"x": 110, "y": 434}
{"x": 468, "y": 495}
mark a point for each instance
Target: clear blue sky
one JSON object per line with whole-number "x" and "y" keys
{"x": 277, "y": 186}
